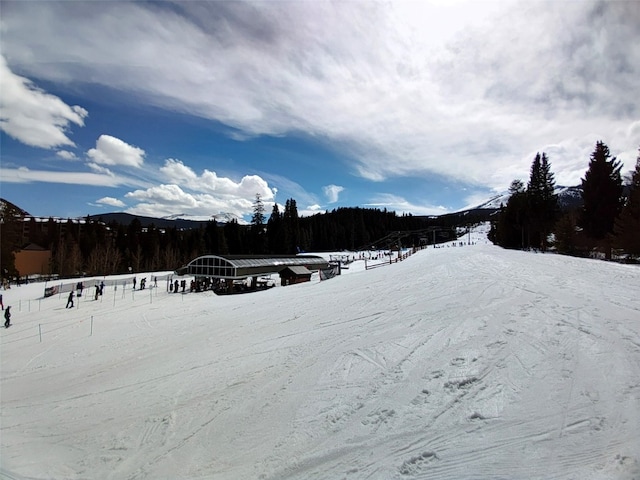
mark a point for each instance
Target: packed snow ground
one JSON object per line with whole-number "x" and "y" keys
{"x": 458, "y": 363}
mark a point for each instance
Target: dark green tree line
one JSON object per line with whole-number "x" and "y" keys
{"x": 530, "y": 214}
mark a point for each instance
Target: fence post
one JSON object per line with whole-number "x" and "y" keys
{"x": 40, "y": 331}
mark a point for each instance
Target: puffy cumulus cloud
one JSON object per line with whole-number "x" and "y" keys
{"x": 32, "y": 116}
{"x": 202, "y": 196}
{"x": 165, "y": 200}
{"x": 164, "y": 194}
{"x": 111, "y": 202}
{"x": 249, "y": 185}
{"x": 114, "y": 152}
{"x": 465, "y": 91}
{"x": 332, "y": 192}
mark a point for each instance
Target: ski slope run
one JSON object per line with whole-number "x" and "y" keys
{"x": 471, "y": 362}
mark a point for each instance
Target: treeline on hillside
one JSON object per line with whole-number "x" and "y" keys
{"x": 95, "y": 248}
{"x": 608, "y": 221}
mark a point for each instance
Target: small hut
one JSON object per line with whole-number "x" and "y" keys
{"x": 294, "y": 274}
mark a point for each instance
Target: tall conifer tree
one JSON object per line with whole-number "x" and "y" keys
{"x": 602, "y": 196}
{"x": 257, "y": 226}
{"x": 542, "y": 203}
{"x": 274, "y": 231}
{"x": 291, "y": 226}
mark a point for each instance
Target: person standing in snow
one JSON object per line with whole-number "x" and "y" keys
{"x": 7, "y": 317}
{"x": 1, "y": 304}
{"x": 70, "y": 300}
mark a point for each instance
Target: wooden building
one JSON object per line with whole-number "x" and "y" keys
{"x": 294, "y": 274}
{"x": 33, "y": 260}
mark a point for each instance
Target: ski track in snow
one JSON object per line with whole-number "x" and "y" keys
{"x": 474, "y": 362}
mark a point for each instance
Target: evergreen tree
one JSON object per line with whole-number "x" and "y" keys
{"x": 565, "y": 234}
{"x": 234, "y": 238}
{"x": 211, "y": 238}
{"x": 602, "y": 196}
{"x": 257, "y": 226}
{"x": 258, "y": 211}
{"x": 627, "y": 225}
{"x": 291, "y": 227}
{"x": 275, "y": 240}
{"x": 510, "y": 230}
{"x": 542, "y": 203}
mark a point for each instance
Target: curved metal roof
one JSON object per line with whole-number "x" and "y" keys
{"x": 243, "y": 266}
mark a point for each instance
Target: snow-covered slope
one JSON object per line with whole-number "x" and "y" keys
{"x": 460, "y": 362}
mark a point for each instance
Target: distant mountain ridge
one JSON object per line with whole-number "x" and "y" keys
{"x": 568, "y": 198}
{"x": 180, "y": 221}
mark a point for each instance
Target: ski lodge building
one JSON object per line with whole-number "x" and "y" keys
{"x": 230, "y": 268}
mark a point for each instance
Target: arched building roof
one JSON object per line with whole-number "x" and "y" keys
{"x": 243, "y": 266}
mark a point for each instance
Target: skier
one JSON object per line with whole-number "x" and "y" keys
{"x": 97, "y": 292}
{"x": 7, "y": 317}
{"x": 70, "y": 300}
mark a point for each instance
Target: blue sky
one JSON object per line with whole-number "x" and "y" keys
{"x": 195, "y": 107}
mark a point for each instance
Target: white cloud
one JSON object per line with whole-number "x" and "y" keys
{"x": 309, "y": 211}
{"x": 32, "y": 116}
{"x": 111, "y": 202}
{"x": 332, "y": 192}
{"x": 99, "y": 169}
{"x": 113, "y": 151}
{"x": 202, "y": 195}
{"x": 402, "y": 206}
{"x": 166, "y": 200}
{"x": 26, "y": 175}
{"x": 175, "y": 171}
{"x": 66, "y": 155}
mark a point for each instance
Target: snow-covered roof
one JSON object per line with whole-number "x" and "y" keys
{"x": 242, "y": 266}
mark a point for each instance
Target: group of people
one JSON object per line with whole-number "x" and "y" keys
{"x": 143, "y": 282}
{"x": 173, "y": 287}
{"x": 80, "y": 287}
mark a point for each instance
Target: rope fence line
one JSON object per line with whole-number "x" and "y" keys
{"x": 45, "y": 329}
{"x": 125, "y": 284}
{"x": 402, "y": 255}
